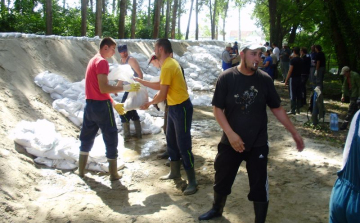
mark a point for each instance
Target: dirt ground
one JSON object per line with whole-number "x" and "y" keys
{"x": 300, "y": 183}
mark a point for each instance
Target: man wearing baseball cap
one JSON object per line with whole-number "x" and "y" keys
{"x": 351, "y": 89}
{"x": 226, "y": 57}
{"x": 239, "y": 106}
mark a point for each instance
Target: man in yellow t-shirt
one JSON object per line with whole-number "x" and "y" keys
{"x": 178, "y": 136}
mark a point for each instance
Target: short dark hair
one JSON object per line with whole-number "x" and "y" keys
{"x": 107, "y": 41}
{"x": 296, "y": 50}
{"x": 274, "y": 44}
{"x": 304, "y": 50}
{"x": 165, "y": 44}
{"x": 318, "y": 47}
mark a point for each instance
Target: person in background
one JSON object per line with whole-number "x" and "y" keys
{"x": 267, "y": 64}
{"x": 276, "y": 51}
{"x": 130, "y": 115}
{"x": 178, "y": 130}
{"x": 285, "y": 60}
{"x": 305, "y": 73}
{"x": 226, "y": 57}
{"x": 319, "y": 67}
{"x": 239, "y": 105}
{"x": 351, "y": 89}
{"x": 312, "y": 67}
{"x": 344, "y": 205}
{"x": 98, "y": 112}
{"x": 235, "y": 48}
{"x": 294, "y": 77}
{"x": 274, "y": 64}
{"x": 267, "y": 45}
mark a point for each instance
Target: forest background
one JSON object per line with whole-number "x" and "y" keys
{"x": 333, "y": 24}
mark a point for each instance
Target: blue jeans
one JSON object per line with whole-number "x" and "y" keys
{"x": 178, "y": 133}
{"x": 99, "y": 114}
{"x": 129, "y": 115}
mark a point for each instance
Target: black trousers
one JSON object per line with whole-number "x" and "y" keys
{"x": 227, "y": 163}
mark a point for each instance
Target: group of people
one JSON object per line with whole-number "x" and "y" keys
{"x": 241, "y": 96}
{"x": 239, "y": 105}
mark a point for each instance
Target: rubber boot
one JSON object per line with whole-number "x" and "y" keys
{"x": 138, "y": 129}
{"x": 174, "y": 171}
{"x": 83, "y": 157}
{"x": 114, "y": 175}
{"x": 217, "y": 208}
{"x": 344, "y": 125}
{"x": 298, "y": 106}
{"x": 260, "y": 209}
{"x": 126, "y": 131}
{"x": 192, "y": 183}
{"x": 293, "y": 106}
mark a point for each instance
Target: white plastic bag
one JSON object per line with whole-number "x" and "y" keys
{"x": 121, "y": 72}
{"x": 135, "y": 99}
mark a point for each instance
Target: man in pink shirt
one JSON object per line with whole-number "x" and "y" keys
{"x": 98, "y": 112}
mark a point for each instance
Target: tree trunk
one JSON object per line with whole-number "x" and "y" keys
{"x": 179, "y": 15}
{"x": 157, "y": 19}
{"x": 148, "y": 15}
{"x": 122, "y": 6}
{"x": 64, "y": 4}
{"x": 211, "y": 19}
{"x": 273, "y": 28}
{"x": 113, "y": 7}
{"x": 224, "y": 19}
{"x": 91, "y": 5}
{"x": 197, "y": 20}
{"x": 133, "y": 20}
{"x": 293, "y": 33}
{"x": 104, "y": 6}
{"x": 98, "y": 19}
{"x": 214, "y": 21}
{"x": 83, "y": 17}
{"x": 167, "y": 22}
{"x": 188, "y": 26}
{"x": 49, "y": 27}
{"x": 173, "y": 19}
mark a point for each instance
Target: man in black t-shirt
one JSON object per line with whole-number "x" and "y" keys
{"x": 239, "y": 106}
{"x": 294, "y": 78}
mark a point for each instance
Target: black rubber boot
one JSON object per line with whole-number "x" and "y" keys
{"x": 217, "y": 208}
{"x": 298, "y": 106}
{"x": 137, "y": 125}
{"x": 293, "y": 107}
{"x": 192, "y": 183}
{"x": 174, "y": 171}
{"x": 260, "y": 209}
{"x": 83, "y": 157}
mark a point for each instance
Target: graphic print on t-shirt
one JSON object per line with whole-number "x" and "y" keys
{"x": 247, "y": 98}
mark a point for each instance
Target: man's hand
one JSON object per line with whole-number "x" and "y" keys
{"x": 132, "y": 87}
{"x": 120, "y": 108}
{"x": 145, "y": 106}
{"x": 299, "y": 142}
{"x": 315, "y": 73}
{"x": 236, "y": 142}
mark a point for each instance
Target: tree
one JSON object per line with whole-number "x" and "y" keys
{"x": 188, "y": 26}
{"x": 156, "y": 19}
{"x": 121, "y": 33}
{"x": 173, "y": 19}
{"x": 83, "y": 16}
{"x": 133, "y": 20}
{"x": 98, "y": 20}
{"x": 167, "y": 21}
{"x": 49, "y": 28}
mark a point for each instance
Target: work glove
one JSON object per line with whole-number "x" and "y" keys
{"x": 120, "y": 108}
{"x": 315, "y": 73}
{"x": 132, "y": 87}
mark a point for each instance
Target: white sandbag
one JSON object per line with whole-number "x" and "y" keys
{"x": 121, "y": 72}
{"x": 64, "y": 165}
{"x": 55, "y": 96}
{"x": 134, "y": 100}
{"x": 47, "y": 89}
{"x": 60, "y": 88}
{"x": 39, "y": 78}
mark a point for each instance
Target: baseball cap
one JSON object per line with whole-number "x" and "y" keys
{"x": 122, "y": 48}
{"x": 228, "y": 45}
{"x": 152, "y": 57}
{"x": 344, "y": 69}
{"x": 252, "y": 46}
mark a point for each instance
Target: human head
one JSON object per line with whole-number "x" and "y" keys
{"x": 296, "y": 50}
{"x": 163, "y": 48}
{"x": 303, "y": 51}
{"x": 285, "y": 44}
{"x": 274, "y": 45}
{"x": 123, "y": 51}
{"x": 154, "y": 61}
{"x": 228, "y": 47}
{"x": 251, "y": 55}
{"x": 267, "y": 52}
{"x": 318, "y": 48}
{"x": 267, "y": 44}
{"x": 345, "y": 70}
{"x": 235, "y": 43}
{"x": 107, "y": 47}
{"x": 313, "y": 48}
